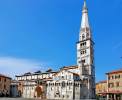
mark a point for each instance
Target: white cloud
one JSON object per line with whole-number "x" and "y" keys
{"x": 12, "y": 66}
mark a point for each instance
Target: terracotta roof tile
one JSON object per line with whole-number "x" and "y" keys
{"x": 104, "y": 81}
{"x": 115, "y": 71}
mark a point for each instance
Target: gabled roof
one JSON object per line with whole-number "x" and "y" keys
{"x": 67, "y": 71}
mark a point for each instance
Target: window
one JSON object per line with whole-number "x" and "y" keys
{"x": 5, "y": 80}
{"x": 83, "y": 44}
{"x": 83, "y": 36}
{"x": 62, "y": 77}
{"x": 117, "y": 84}
{"x": 63, "y": 84}
{"x": 87, "y": 35}
{"x": 117, "y": 76}
{"x": 83, "y": 52}
{"x": 4, "y": 86}
{"x": 83, "y": 61}
{"x": 112, "y": 77}
{"x": 110, "y": 85}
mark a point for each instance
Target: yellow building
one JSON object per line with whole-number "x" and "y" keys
{"x": 4, "y": 85}
{"x": 114, "y": 85}
{"x": 101, "y": 88}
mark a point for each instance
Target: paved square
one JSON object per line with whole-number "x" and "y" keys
{"x": 17, "y": 99}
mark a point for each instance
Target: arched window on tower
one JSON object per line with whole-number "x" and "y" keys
{"x": 83, "y": 37}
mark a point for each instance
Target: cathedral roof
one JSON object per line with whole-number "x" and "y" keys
{"x": 35, "y": 73}
{"x": 45, "y": 79}
{"x": 70, "y": 67}
{"x": 67, "y": 71}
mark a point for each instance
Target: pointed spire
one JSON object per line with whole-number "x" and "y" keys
{"x": 84, "y": 5}
{"x": 85, "y": 21}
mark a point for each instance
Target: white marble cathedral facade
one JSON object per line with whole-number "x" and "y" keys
{"x": 71, "y": 82}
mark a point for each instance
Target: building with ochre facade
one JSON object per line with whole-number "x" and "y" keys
{"x": 5, "y": 83}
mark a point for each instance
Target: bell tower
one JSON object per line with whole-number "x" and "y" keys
{"x": 85, "y": 56}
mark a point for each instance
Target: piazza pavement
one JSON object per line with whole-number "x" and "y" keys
{"x": 17, "y": 99}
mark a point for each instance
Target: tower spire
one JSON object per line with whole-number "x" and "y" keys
{"x": 84, "y": 6}
{"x": 85, "y": 21}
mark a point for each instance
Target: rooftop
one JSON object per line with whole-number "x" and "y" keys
{"x": 115, "y": 71}
{"x": 104, "y": 81}
{"x": 1, "y": 75}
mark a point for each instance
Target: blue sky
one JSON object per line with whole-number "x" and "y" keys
{"x": 38, "y": 34}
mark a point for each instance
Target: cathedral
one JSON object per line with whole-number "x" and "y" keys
{"x": 77, "y": 82}
{"x": 70, "y": 82}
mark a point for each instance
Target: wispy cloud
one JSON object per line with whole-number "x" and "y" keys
{"x": 13, "y": 66}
